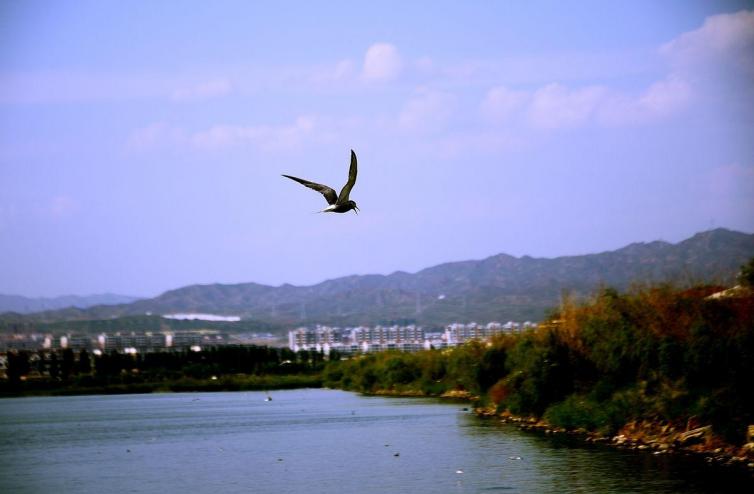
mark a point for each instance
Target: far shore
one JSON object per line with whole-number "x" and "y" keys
{"x": 186, "y": 384}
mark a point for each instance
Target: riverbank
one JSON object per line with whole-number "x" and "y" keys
{"x": 690, "y": 439}
{"x": 659, "y": 438}
{"x": 455, "y": 394}
{"x": 657, "y": 368}
{"x": 221, "y": 383}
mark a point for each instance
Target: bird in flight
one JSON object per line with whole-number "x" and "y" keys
{"x": 336, "y": 203}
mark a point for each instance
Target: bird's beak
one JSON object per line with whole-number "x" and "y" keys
{"x": 356, "y": 209}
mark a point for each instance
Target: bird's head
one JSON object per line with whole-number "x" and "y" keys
{"x": 353, "y": 206}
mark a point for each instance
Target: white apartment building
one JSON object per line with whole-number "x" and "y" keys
{"x": 410, "y": 338}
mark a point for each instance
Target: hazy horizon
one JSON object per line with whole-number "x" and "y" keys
{"x": 63, "y": 295}
{"x": 141, "y": 145}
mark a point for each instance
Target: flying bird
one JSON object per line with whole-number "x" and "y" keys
{"x": 337, "y": 203}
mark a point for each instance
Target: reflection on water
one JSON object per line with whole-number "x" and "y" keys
{"x": 310, "y": 441}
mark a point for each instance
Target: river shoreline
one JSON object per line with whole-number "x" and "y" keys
{"x": 658, "y": 438}
{"x": 222, "y": 383}
{"x": 647, "y": 436}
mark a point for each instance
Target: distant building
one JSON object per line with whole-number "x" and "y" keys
{"x": 320, "y": 338}
{"x": 458, "y": 333}
{"x": 133, "y": 341}
{"x": 410, "y": 338}
{"x": 27, "y": 342}
{"x": 145, "y": 342}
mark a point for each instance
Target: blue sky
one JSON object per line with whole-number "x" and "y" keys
{"x": 141, "y": 143}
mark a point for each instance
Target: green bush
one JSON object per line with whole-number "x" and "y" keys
{"x": 582, "y": 412}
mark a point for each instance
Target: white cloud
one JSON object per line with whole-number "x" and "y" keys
{"x": 723, "y": 38}
{"x": 555, "y": 105}
{"x": 665, "y": 97}
{"x": 157, "y": 134}
{"x": 502, "y": 104}
{"x": 660, "y": 100}
{"x": 343, "y": 71}
{"x": 426, "y": 110}
{"x": 722, "y": 47}
{"x": 263, "y": 136}
{"x": 717, "y": 62}
{"x": 217, "y": 137}
{"x": 381, "y": 63}
{"x": 205, "y": 90}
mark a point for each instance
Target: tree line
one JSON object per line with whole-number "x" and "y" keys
{"x": 657, "y": 353}
{"x": 113, "y": 367}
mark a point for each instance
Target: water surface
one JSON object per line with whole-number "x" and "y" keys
{"x": 314, "y": 441}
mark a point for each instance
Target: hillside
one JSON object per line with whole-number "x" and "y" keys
{"x": 28, "y": 305}
{"x": 500, "y": 287}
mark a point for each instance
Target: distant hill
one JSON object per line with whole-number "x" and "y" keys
{"x": 27, "y": 305}
{"x": 501, "y": 287}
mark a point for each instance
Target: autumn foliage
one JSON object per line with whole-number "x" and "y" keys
{"x": 653, "y": 353}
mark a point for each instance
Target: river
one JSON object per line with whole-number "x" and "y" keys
{"x": 311, "y": 441}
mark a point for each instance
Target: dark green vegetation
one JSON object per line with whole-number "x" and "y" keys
{"x": 746, "y": 277}
{"x": 500, "y": 287}
{"x": 658, "y": 354}
{"x": 22, "y": 324}
{"x": 228, "y": 368}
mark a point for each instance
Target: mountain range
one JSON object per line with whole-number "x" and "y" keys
{"x": 500, "y": 287}
{"x": 28, "y": 305}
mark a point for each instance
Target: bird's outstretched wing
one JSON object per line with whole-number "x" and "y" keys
{"x": 330, "y": 196}
{"x": 346, "y": 190}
